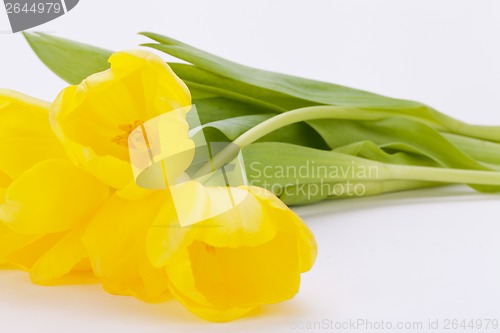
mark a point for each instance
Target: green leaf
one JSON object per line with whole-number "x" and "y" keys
{"x": 311, "y": 90}
{"x": 316, "y": 91}
{"x": 234, "y": 127}
{"x": 219, "y": 108}
{"x": 481, "y": 150}
{"x": 200, "y": 79}
{"x": 70, "y": 60}
{"x": 397, "y": 134}
{"x": 369, "y": 150}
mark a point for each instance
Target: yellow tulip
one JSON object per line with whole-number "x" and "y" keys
{"x": 230, "y": 264}
{"x": 45, "y": 199}
{"x": 94, "y": 119}
{"x": 219, "y": 269}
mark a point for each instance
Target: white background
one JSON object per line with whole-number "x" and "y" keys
{"x": 430, "y": 254}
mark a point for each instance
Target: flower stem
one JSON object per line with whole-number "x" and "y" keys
{"x": 304, "y": 114}
{"x": 282, "y": 120}
{"x": 443, "y": 175}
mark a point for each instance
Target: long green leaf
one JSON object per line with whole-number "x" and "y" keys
{"x": 484, "y": 151}
{"x": 316, "y": 91}
{"x": 226, "y": 87}
{"x": 369, "y": 150}
{"x": 70, "y": 60}
{"x": 399, "y": 134}
{"x": 219, "y": 108}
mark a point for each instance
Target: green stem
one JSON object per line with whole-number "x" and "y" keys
{"x": 282, "y": 120}
{"x": 370, "y": 188}
{"x": 443, "y": 175}
{"x": 304, "y": 114}
{"x": 445, "y": 123}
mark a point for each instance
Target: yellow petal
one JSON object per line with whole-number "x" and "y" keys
{"x": 160, "y": 149}
{"x": 191, "y": 202}
{"x": 132, "y": 191}
{"x": 226, "y": 279}
{"x": 133, "y": 275}
{"x": 2, "y": 196}
{"x": 52, "y": 196}
{"x": 115, "y": 242}
{"x": 244, "y": 224}
{"x": 60, "y": 259}
{"x": 52, "y": 259}
{"x": 28, "y": 253}
{"x": 10, "y": 242}
{"x": 154, "y": 280}
{"x": 165, "y": 236}
{"x": 288, "y": 221}
{"x": 93, "y": 120}
{"x": 206, "y": 312}
{"x": 25, "y": 134}
{"x": 4, "y": 182}
{"x": 109, "y": 170}
{"x": 222, "y": 224}
{"x": 81, "y": 273}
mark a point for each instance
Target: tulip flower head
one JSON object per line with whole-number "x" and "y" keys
{"x": 94, "y": 119}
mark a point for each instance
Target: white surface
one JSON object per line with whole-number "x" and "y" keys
{"x": 430, "y": 254}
